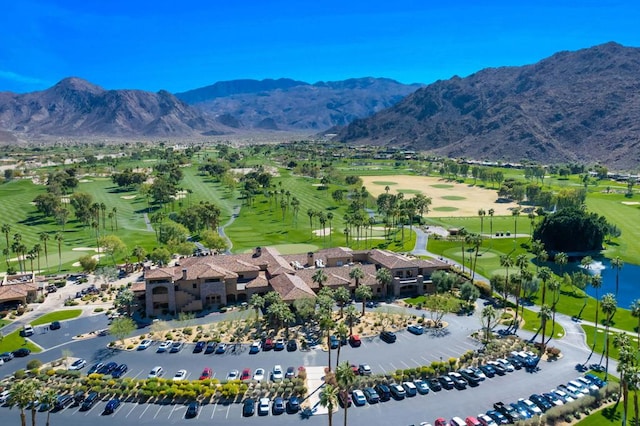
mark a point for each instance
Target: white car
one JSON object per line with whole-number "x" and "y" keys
{"x": 233, "y": 375}
{"x": 486, "y": 419}
{"x": 156, "y": 372}
{"x": 258, "y": 375}
{"x": 78, "y": 364}
{"x": 180, "y": 375}
{"x": 277, "y": 374}
{"x": 4, "y": 396}
{"x": 263, "y": 406}
{"x": 506, "y": 364}
{"x": 531, "y": 406}
{"x": 358, "y": 398}
{"x": 165, "y": 346}
{"x": 144, "y": 344}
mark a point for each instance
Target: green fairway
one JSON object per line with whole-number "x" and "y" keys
{"x": 532, "y": 323}
{"x": 445, "y": 209}
{"x": 57, "y": 316}
{"x": 453, "y": 198}
{"x": 13, "y": 341}
{"x": 384, "y": 182}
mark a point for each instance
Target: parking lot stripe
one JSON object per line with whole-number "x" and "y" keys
{"x": 416, "y": 362}
{"x": 426, "y": 359}
{"x": 214, "y": 409}
{"x": 158, "y": 412}
{"x": 172, "y": 410}
{"x": 138, "y": 375}
{"x": 382, "y": 368}
{"x": 145, "y": 410}
{"x": 393, "y": 366}
{"x": 228, "y": 408}
{"x": 132, "y": 408}
{"x": 405, "y": 364}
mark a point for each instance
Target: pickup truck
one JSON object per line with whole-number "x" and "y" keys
{"x": 509, "y": 412}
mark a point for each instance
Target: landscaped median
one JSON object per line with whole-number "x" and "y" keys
{"x": 57, "y": 316}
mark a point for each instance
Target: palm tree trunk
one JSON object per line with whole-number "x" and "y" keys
{"x": 345, "y": 414}
{"x": 338, "y": 354}
{"x": 329, "y": 352}
{"x": 23, "y": 417}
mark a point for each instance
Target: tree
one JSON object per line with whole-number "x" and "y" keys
{"x": 635, "y": 312}
{"x": 48, "y": 398}
{"x": 364, "y": 293}
{"x": 572, "y": 229}
{"x": 596, "y": 283}
{"x": 319, "y": 277}
{"x": 617, "y": 264}
{"x": 305, "y": 308}
{"x": 160, "y": 256}
{"x": 341, "y": 295}
{"x": 88, "y": 263}
{"x": 561, "y": 259}
{"x": 122, "y": 327}
{"x": 126, "y": 300}
{"x": 328, "y": 399}
{"x": 475, "y": 240}
{"x": 384, "y": 278}
{"x": 356, "y": 274}
{"x": 139, "y": 253}
{"x": 609, "y": 307}
{"x": 491, "y": 213}
{"x": 345, "y": 377}
{"x": 544, "y": 274}
{"x": 44, "y": 237}
{"x": 59, "y": 238}
{"x": 506, "y": 261}
{"x": 342, "y": 332}
{"x": 515, "y": 213}
{"x": 21, "y": 394}
{"x": 257, "y": 302}
{"x": 326, "y": 325}
{"x": 544, "y": 314}
{"x": 351, "y": 317}
{"x": 482, "y": 214}
{"x": 489, "y": 318}
{"x": 469, "y": 292}
{"x": 214, "y": 241}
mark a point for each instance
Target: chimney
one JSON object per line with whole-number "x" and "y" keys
{"x": 257, "y": 252}
{"x": 184, "y": 273}
{"x": 310, "y": 259}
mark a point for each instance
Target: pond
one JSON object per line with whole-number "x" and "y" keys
{"x": 629, "y": 280}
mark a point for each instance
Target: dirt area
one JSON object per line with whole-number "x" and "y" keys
{"x": 459, "y": 199}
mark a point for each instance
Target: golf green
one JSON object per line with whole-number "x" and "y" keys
{"x": 445, "y": 209}
{"x": 442, "y": 186}
{"x": 453, "y": 197}
{"x": 384, "y": 182}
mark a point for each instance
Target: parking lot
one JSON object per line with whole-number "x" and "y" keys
{"x": 408, "y": 351}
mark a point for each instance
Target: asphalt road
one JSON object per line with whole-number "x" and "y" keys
{"x": 408, "y": 351}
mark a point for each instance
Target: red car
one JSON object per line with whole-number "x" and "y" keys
{"x": 246, "y": 374}
{"x": 440, "y": 422}
{"x": 206, "y": 374}
{"x": 354, "y": 340}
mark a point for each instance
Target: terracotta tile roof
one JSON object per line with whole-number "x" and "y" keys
{"x": 259, "y": 282}
{"x": 334, "y": 252}
{"x": 138, "y": 286}
{"x": 291, "y": 287}
{"x": 339, "y": 275}
{"x": 15, "y": 291}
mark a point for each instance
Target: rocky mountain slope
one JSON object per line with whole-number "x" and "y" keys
{"x": 579, "y": 106}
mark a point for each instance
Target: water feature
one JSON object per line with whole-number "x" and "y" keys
{"x": 629, "y": 281}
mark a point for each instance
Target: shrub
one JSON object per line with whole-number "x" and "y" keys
{"x": 34, "y": 364}
{"x": 19, "y": 374}
{"x": 96, "y": 310}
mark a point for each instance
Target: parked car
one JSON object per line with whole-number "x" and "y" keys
{"x": 498, "y": 417}
{"x": 255, "y": 347}
{"x": 258, "y": 375}
{"x": 279, "y": 346}
{"x": 446, "y": 382}
{"x": 246, "y": 374}
{"x": 78, "y": 364}
{"x": 344, "y": 399}
{"x": 358, "y": 398}
{"x": 55, "y": 325}
{"x": 180, "y": 375}
{"x": 199, "y": 347}
{"x": 388, "y": 336}
{"x": 470, "y": 376}
{"x": 292, "y": 346}
{"x": 144, "y": 344}
{"x": 22, "y": 352}
{"x": 410, "y": 388}
{"x": 207, "y": 373}
{"x": 533, "y": 408}
{"x": 543, "y": 403}
{"x": 62, "y": 401}
{"x": 210, "y": 348}
{"x": 485, "y": 420}
{"x": 371, "y": 395}
{"x": 156, "y": 372}
{"x": 458, "y": 381}
{"x": 276, "y": 374}
{"x": 221, "y": 348}
{"x": 505, "y": 364}
{"x": 108, "y": 368}
{"x": 164, "y": 346}
{"x": 364, "y": 370}
{"x": 119, "y": 371}
{"x": 263, "y": 406}
{"x": 112, "y": 405}
{"x": 248, "y": 407}
{"x": 27, "y": 331}
{"x": 293, "y": 405}
{"x": 176, "y": 347}
{"x": 233, "y": 375}
{"x": 267, "y": 345}
{"x": 498, "y": 368}
{"x": 354, "y": 340}
{"x": 89, "y": 400}
{"x": 553, "y": 398}
{"x": 415, "y": 329}
{"x": 434, "y": 384}
{"x": 441, "y": 422}
{"x": 6, "y": 356}
{"x": 421, "y": 386}
{"x": 383, "y": 391}
{"x": 192, "y": 410}
{"x": 508, "y": 411}
{"x": 278, "y": 406}
{"x": 488, "y": 370}
{"x": 291, "y": 373}
{"x": 334, "y": 342}
{"x": 397, "y": 391}
{"x": 95, "y": 367}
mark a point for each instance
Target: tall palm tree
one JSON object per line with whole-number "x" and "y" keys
{"x": 6, "y": 230}
{"x": 522, "y": 262}
{"x": 635, "y": 312}
{"x": 544, "y": 274}
{"x": 326, "y": 324}
{"x": 345, "y": 377}
{"x": 356, "y": 274}
{"x": 545, "y": 315}
{"x": 319, "y": 277}
{"x": 482, "y": 214}
{"x": 257, "y": 302}
{"x": 384, "y": 278}
{"x": 48, "y": 397}
{"x": 351, "y": 316}
{"x": 626, "y": 359}
{"x": 554, "y": 286}
{"x": 342, "y": 332}
{"x": 609, "y": 307}
{"x": 115, "y": 216}
{"x": 59, "y": 239}
{"x": 596, "y": 283}
{"x": 364, "y": 292}
{"x": 617, "y": 264}
{"x": 37, "y": 391}
{"x": 328, "y": 399}
{"x": 506, "y": 261}
{"x": 561, "y": 259}
{"x": 515, "y": 213}
{"x": 491, "y": 213}
{"x": 20, "y": 395}
{"x": 475, "y": 240}
{"x": 341, "y": 296}
{"x": 487, "y": 317}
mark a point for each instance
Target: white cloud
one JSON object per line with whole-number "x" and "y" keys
{"x": 12, "y": 76}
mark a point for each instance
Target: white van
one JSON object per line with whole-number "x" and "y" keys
{"x": 28, "y": 331}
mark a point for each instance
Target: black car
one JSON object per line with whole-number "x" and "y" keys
{"x": 248, "y": 407}
{"x": 499, "y": 369}
{"x": 543, "y": 403}
{"x": 446, "y": 382}
{"x": 434, "y": 384}
{"x": 371, "y": 395}
{"x": 292, "y": 345}
{"x": 293, "y": 405}
{"x": 89, "y": 400}
{"x": 508, "y": 411}
{"x": 54, "y": 325}
{"x": 192, "y": 410}
{"x": 78, "y": 397}
{"x": 6, "y": 356}
{"x": 498, "y": 417}
{"x": 383, "y": 391}
{"x": 95, "y": 367}
{"x": 199, "y": 347}
{"x": 278, "y": 406}
{"x": 488, "y": 370}
{"x": 108, "y": 368}
{"x": 111, "y": 406}
{"x": 517, "y": 364}
{"x": 388, "y": 336}
{"x": 458, "y": 381}
{"x": 119, "y": 371}
{"x": 22, "y": 352}
{"x": 62, "y": 401}
{"x": 211, "y": 347}
{"x": 470, "y": 376}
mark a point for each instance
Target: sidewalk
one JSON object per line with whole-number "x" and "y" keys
{"x": 315, "y": 381}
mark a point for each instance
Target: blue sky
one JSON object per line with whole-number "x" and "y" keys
{"x": 181, "y": 45}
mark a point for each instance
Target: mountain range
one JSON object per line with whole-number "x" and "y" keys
{"x": 581, "y": 106}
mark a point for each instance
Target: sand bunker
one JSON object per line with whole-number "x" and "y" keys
{"x": 631, "y": 203}
{"x": 322, "y": 232}
{"x": 475, "y": 198}
{"x": 128, "y": 197}
{"x": 86, "y": 249}
{"x": 85, "y": 181}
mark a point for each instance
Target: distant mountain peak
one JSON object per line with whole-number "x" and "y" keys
{"x": 78, "y": 84}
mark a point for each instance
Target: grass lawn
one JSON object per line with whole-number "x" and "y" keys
{"x": 57, "y": 316}
{"x": 13, "y": 341}
{"x": 600, "y": 340}
{"x": 611, "y": 415}
{"x": 4, "y": 322}
{"x": 532, "y": 323}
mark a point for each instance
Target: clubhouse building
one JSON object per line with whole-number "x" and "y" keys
{"x": 205, "y": 282}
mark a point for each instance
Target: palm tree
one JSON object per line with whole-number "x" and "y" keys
{"x": 257, "y": 302}
{"x": 544, "y": 314}
{"x": 20, "y": 395}
{"x": 561, "y": 259}
{"x": 506, "y": 261}
{"x": 463, "y": 239}
{"x": 326, "y": 324}
{"x": 544, "y": 274}
{"x": 475, "y": 240}
{"x": 351, "y": 316}
{"x": 319, "y": 277}
{"x": 609, "y": 307}
{"x": 356, "y": 274}
{"x": 491, "y": 213}
{"x": 115, "y": 216}
{"x": 554, "y": 287}
{"x": 596, "y": 283}
{"x": 384, "y": 278}
{"x": 342, "y": 332}
{"x": 328, "y": 399}
{"x": 345, "y": 377}
{"x": 626, "y": 359}
{"x": 515, "y": 213}
{"x": 341, "y": 296}
{"x": 617, "y": 263}
{"x": 635, "y": 312}
{"x": 364, "y": 292}
{"x": 481, "y": 213}
{"x": 59, "y": 238}
{"x": 37, "y": 391}
{"x": 489, "y": 314}
{"x": 330, "y": 218}
{"x": 49, "y": 398}
{"x": 6, "y": 230}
